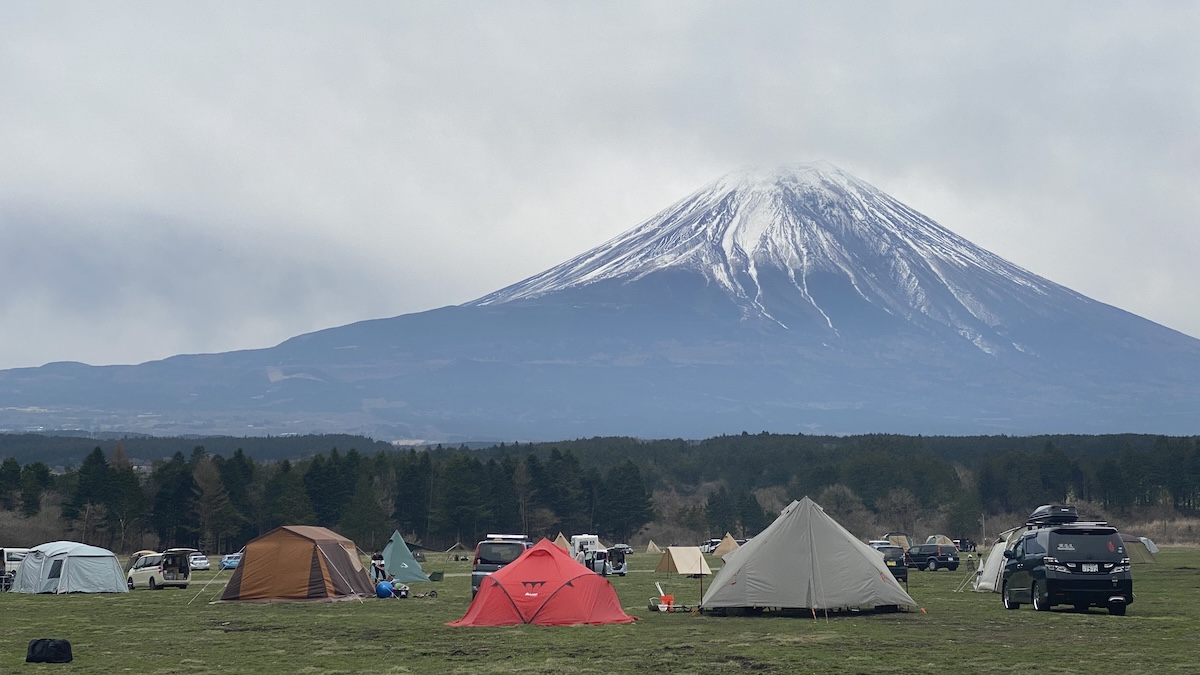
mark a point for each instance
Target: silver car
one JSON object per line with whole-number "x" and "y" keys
{"x": 198, "y": 561}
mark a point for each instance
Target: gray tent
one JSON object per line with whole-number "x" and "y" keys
{"x": 398, "y": 560}
{"x": 987, "y": 579}
{"x": 69, "y": 567}
{"x": 805, "y": 559}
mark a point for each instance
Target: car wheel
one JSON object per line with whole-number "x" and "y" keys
{"x": 1040, "y": 602}
{"x": 1117, "y": 609}
{"x": 932, "y": 565}
{"x": 183, "y": 586}
{"x": 152, "y": 584}
{"x": 130, "y": 582}
{"x": 1008, "y": 601}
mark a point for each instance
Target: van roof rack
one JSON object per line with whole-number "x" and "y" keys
{"x": 514, "y": 537}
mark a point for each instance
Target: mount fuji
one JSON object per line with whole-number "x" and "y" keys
{"x": 798, "y": 299}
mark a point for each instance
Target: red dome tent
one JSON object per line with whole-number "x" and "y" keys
{"x": 544, "y": 586}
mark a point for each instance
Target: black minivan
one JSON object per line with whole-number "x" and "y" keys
{"x": 1068, "y": 563}
{"x": 494, "y": 552}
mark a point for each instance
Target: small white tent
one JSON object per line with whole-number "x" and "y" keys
{"x": 805, "y": 559}
{"x": 988, "y": 578}
{"x": 69, "y": 567}
{"x": 653, "y": 547}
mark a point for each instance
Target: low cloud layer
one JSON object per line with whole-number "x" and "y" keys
{"x": 183, "y": 178}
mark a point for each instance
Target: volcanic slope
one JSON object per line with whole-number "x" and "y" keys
{"x": 795, "y": 299}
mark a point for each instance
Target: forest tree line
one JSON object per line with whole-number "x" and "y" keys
{"x": 616, "y": 487}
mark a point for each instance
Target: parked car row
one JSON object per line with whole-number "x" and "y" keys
{"x": 932, "y": 557}
{"x": 172, "y": 567}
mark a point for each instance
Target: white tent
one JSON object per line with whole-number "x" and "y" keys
{"x": 805, "y": 559}
{"x": 653, "y": 547}
{"x": 987, "y": 579}
{"x": 69, "y": 567}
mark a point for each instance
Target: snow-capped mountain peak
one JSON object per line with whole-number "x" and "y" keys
{"x": 806, "y": 222}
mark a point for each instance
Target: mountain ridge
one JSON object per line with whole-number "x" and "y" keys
{"x": 798, "y": 298}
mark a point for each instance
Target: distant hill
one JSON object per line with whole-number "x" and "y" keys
{"x": 68, "y": 451}
{"x": 799, "y": 299}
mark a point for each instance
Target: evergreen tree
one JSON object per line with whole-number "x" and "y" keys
{"x": 459, "y": 511}
{"x": 414, "y": 493}
{"x": 286, "y": 499}
{"x": 173, "y": 487}
{"x": 93, "y": 492}
{"x": 215, "y": 515}
{"x": 126, "y": 507}
{"x": 751, "y": 515}
{"x": 10, "y": 483}
{"x": 363, "y": 518}
{"x": 35, "y": 478}
{"x": 626, "y": 504}
{"x": 721, "y": 513}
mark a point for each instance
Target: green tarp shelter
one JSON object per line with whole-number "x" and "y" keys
{"x": 398, "y": 560}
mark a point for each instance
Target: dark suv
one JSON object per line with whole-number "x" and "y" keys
{"x": 494, "y": 552}
{"x": 933, "y": 557}
{"x": 896, "y": 560}
{"x": 1068, "y": 563}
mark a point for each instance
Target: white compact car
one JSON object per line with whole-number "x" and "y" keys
{"x": 199, "y": 561}
{"x": 158, "y": 570}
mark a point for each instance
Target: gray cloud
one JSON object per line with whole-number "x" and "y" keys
{"x": 182, "y": 177}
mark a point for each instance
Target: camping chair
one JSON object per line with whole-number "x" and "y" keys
{"x": 665, "y": 602}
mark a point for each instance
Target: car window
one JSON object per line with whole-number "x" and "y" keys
{"x": 499, "y": 553}
{"x": 1032, "y": 547}
{"x": 1019, "y": 550}
{"x": 1087, "y": 546}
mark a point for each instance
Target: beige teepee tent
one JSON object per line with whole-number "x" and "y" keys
{"x": 805, "y": 559}
{"x": 561, "y": 542}
{"x": 727, "y": 545}
{"x": 653, "y": 547}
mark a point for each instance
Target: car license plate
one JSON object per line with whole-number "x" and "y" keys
{"x": 891, "y": 563}
{"x": 1091, "y": 567}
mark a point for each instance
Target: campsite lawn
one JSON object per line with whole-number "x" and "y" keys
{"x": 160, "y": 632}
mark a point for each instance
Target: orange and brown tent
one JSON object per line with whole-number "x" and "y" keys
{"x": 544, "y": 586}
{"x": 299, "y": 562}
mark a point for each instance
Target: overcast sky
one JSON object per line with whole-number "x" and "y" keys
{"x": 201, "y": 177}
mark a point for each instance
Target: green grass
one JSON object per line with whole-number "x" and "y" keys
{"x": 180, "y": 631}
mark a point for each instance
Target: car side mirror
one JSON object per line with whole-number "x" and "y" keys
{"x": 1010, "y": 555}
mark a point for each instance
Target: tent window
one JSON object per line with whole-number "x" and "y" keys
{"x": 55, "y": 570}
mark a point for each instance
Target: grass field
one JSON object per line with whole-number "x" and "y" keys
{"x": 182, "y": 631}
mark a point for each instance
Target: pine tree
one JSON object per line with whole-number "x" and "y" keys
{"x": 10, "y": 482}
{"x": 363, "y": 518}
{"x": 214, "y": 512}
{"x": 287, "y": 501}
{"x": 625, "y": 505}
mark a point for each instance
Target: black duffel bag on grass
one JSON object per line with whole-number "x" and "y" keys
{"x": 48, "y": 650}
